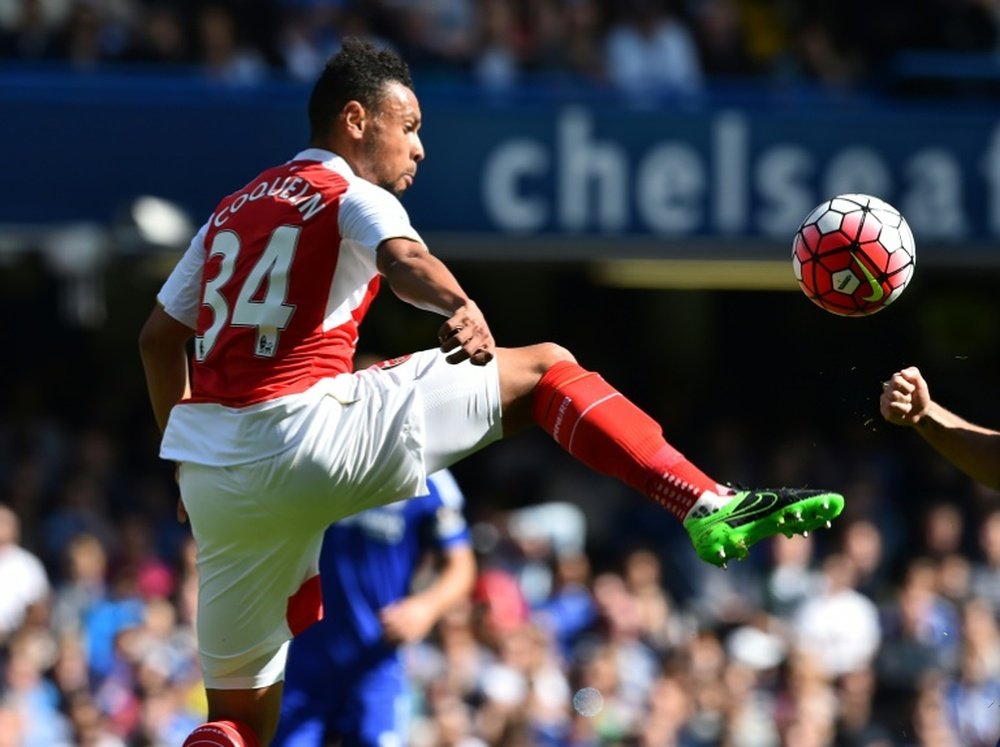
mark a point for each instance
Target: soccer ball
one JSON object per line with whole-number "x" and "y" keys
{"x": 853, "y": 255}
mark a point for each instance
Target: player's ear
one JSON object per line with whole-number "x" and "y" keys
{"x": 355, "y": 119}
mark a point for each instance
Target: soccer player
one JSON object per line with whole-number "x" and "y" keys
{"x": 276, "y": 437}
{"x": 344, "y": 679}
{"x": 906, "y": 400}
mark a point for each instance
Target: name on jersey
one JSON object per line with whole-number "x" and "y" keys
{"x": 291, "y": 189}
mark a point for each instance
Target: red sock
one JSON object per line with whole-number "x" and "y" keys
{"x": 222, "y": 734}
{"x": 596, "y": 424}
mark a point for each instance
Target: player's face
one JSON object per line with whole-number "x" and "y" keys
{"x": 392, "y": 145}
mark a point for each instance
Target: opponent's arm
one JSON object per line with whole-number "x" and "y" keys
{"x": 163, "y": 348}
{"x": 421, "y": 279}
{"x": 411, "y": 618}
{"x": 971, "y": 448}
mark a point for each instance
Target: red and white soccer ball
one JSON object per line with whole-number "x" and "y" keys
{"x": 853, "y": 255}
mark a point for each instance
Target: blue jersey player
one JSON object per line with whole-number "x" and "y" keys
{"x": 344, "y": 682}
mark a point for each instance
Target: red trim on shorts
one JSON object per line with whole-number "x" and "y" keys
{"x": 305, "y": 606}
{"x": 392, "y": 362}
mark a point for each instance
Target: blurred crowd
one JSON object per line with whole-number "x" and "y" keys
{"x": 633, "y": 45}
{"x": 592, "y": 623}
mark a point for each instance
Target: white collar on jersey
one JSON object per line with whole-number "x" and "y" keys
{"x": 324, "y": 156}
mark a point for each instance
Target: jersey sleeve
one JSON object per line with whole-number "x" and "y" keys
{"x": 369, "y": 215}
{"x": 450, "y": 528}
{"x": 180, "y": 295}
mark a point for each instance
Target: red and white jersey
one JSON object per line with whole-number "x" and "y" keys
{"x": 277, "y": 281}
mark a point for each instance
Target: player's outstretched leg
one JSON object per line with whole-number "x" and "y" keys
{"x": 599, "y": 426}
{"x": 752, "y": 515}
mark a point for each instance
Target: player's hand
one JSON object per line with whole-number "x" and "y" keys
{"x": 467, "y": 336}
{"x": 408, "y": 620}
{"x": 905, "y": 397}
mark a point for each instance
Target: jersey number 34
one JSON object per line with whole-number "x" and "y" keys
{"x": 267, "y": 313}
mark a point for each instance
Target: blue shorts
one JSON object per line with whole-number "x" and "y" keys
{"x": 326, "y": 702}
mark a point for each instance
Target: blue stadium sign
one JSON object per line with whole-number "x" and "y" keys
{"x": 673, "y": 178}
{"x": 712, "y": 174}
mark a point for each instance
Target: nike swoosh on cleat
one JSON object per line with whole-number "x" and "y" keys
{"x": 751, "y": 508}
{"x": 877, "y": 290}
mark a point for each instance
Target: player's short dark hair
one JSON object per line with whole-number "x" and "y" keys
{"x": 359, "y": 72}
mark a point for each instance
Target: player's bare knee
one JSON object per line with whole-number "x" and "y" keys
{"x": 549, "y": 354}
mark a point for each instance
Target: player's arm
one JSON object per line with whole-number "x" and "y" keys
{"x": 421, "y": 279}
{"x": 163, "y": 348}
{"x": 412, "y": 618}
{"x": 972, "y": 448}
{"x": 165, "y": 335}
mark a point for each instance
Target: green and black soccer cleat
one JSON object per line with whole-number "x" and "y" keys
{"x": 753, "y": 515}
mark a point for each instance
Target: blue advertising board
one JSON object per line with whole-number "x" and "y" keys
{"x": 674, "y": 177}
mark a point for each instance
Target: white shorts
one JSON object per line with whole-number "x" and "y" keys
{"x": 349, "y": 443}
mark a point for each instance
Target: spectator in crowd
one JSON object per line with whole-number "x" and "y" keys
{"x": 88, "y": 724}
{"x": 644, "y": 47}
{"x": 25, "y": 590}
{"x": 96, "y": 33}
{"x": 525, "y": 688}
{"x": 616, "y": 641}
{"x": 791, "y": 578}
{"x": 819, "y": 55}
{"x": 438, "y": 32}
{"x": 981, "y": 631}
{"x": 70, "y": 672}
{"x": 569, "y": 610}
{"x": 704, "y": 661}
{"x": 539, "y": 535}
{"x": 662, "y": 626}
{"x": 83, "y": 587}
{"x": 943, "y": 527}
{"x": 449, "y": 666}
{"x": 807, "y": 709}
{"x": 971, "y": 699}
{"x": 223, "y": 53}
{"x": 928, "y": 719}
{"x": 650, "y": 50}
{"x": 754, "y": 656}
{"x": 856, "y": 723}
{"x": 919, "y": 638}
{"x": 32, "y": 696}
{"x": 82, "y": 508}
{"x": 668, "y": 720}
{"x": 27, "y": 32}
{"x": 598, "y": 675}
{"x": 160, "y": 38}
{"x": 496, "y": 65}
{"x": 311, "y": 32}
{"x": 138, "y": 555}
{"x": 862, "y": 543}
{"x": 582, "y": 23}
{"x": 719, "y": 31}
{"x": 838, "y": 626}
{"x": 501, "y": 606}
{"x": 985, "y": 573}
{"x": 122, "y": 609}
